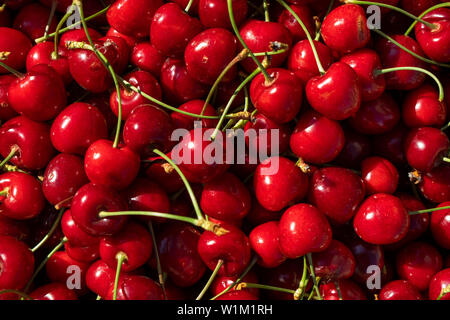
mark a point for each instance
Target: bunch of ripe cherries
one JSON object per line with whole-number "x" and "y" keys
{"x": 93, "y": 204}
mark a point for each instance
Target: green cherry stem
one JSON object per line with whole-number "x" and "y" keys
{"x": 440, "y": 5}
{"x": 11, "y": 154}
{"x": 50, "y": 232}
{"x": 411, "y": 213}
{"x": 439, "y": 84}
{"x": 313, "y": 275}
{"x": 55, "y": 54}
{"x": 11, "y": 70}
{"x": 244, "y": 285}
{"x": 338, "y": 289}
{"x": 266, "y": 11}
{"x": 308, "y": 35}
{"x": 4, "y": 192}
{"x": 189, "y": 5}
{"x": 50, "y": 17}
{"x": 121, "y": 257}
{"x": 158, "y": 261}
{"x": 444, "y": 291}
{"x": 21, "y": 294}
{"x": 318, "y": 34}
{"x": 210, "y": 280}
{"x": 302, "y": 284}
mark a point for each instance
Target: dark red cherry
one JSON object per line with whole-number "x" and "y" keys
{"x": 303, "y": 229}
{"x": 39, "y": 95}
{"x": 264, "y": 240}
{"x": 422, "y": 108}
{"x": 416, "y": 7}
{"x": 172, "y": 29}
{"x": 379, "y": 175}
{"x": 425, "y": 148}
{"x": 316, "y": 138}
{"x": 337, "y": 192}
{"x": 418, "y": 263}
{"x": 135, "y": 287}
{"x": 133, "y": 17}
{"x": 288, "y": 20}
{"x": 278, "y": 183}
{"x": 177, "y": 247}
{"x": 84, "y": 254}
{"x": 89, "y": 201}
{"x": 142, "y": 80}
{"x": 208, "y": 53}
{"x": 5, "y": 17}
{"x": 440, "y": 226}
{"x": 377, "y": 116}
{"x": 381, "y": 219}
{"x": 14, "y": 228}
{"x": 259, "y": 215}
{"x": 77, "y": 127}
{"x": 178, "y": 86}
{"x": 120, "y": 52}
{"x": 163, "y": 174}
{"x": 302, "y": 62}
{"x": 63, "y": 177}
{"x": 180, "y": 120}
{"x": 440, "y": 282}
{"x": 345, "y": 28}
{"x": 287, "y": 275}
{"x": 114, "y": 167}
{"x": 17, "y": 4}
{"x": 238, "y": 295}
{"x": 18, "y": 44}
{"x": 17, "y": 263}
{"x": 434, "y": 184}
{"x": 399, "y": 290}
{"x": 146, "y": 57}
{"x": 221, "y": 283}
{"x": 334, "y": 263}
{"x": 53, "y": 291}
{"x": 74, "y": 234}
{"x": 390, "y": 145}
{"x": 6, "y": 111}
{"x": 76, "y": 35}
{"x": 233, "y": 248}
{"x": 258, "y": 35}
{"x": 435, "y": 42}
{"x": 348, "y": 290}
{"x": 279, "y": 100}
{"x": 100, "y": 277}
{"x": 214, "y": 13}
{"x": 224, "y": 92}
{"x": 337, "y": 93}
{"x": 356, "y": 148}
{"x": 32, "y": 138}
{"x": 366, "y": 62}
{"x": 33, "y": 19}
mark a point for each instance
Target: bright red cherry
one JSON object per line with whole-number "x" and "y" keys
{"x": 53, "y": 291}
{"x": 214, "y": 13}
{"x": 434, "y": 184}
{"x": 379, "y": 175}
{"x": 76, "y": 35}
{"x": 349, "y": 291}
{"x": 6, "y": 111}
{"x": 146, "y": 57}
{"x": 100, "y": 277}
{"x": 439, "y": 283}
{"x": 221, "y": 283}
{"x": 74, "y": 233}
{"x": 131, "y": 41}
{"x": 399, "y": 290}
{"x": 334, "y": 263}
{"x": 194, "y": 106}
{"x": 33, "y": 20}
{"x": 18, "y": 44}
{"x": 135, "y": 287}
{"x": 289, "y": 21}
{"x": 264, "y": 240}
{"x": 440, "y": 226}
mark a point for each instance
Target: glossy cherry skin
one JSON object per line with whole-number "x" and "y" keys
{"x": 24, "y": 199}
{"x": 434, "y": 185}
{"x": 131, "y": 41}
{"x": 77, "y": 35}
{"x": 440, "y": 226}
{"x": 392, "y": 56}
{"x": 208, "y": 53}
{"x": 180, "y": 120}
{"x": 18, "y": 44}
{"x": 337, "y": 192}
{"x": 264, "y": 240}
{"x": 278, "y": 183}
{"x": 17, "y": 263}
{"x": 135, "y": 287}
{"x": 167, "y": 178}
{"x": 379, "y": 175}
{"x": 100, "y": 277}
{"x": 377, "y": 116}
{"x": 316, "y": 138}
{"x": 146, "y": 57}
{"x": 172, "y": 29}
{"x": 214, "y": 13}
{"x": 177, "y": 247}
{"x": 92, "y": 199}
{"x": 390, "y": 145}
{"x": 345, "y": 28}
{"x": 302, "y": 62}
{"x": 221, "y": 283}
{"x": 349, "y": 291}
{"x": 303, "y": 229}
{"x": 418, "y": 263}
{"x": 75, "y": 235}
{"x": 290, "y": 23}
{"x": 435, "y": 43}
{"x": 439, "y": 282}
{"x": 6, "y": 111}
{"x": 40, "y": 95}
{"x": 334, "y": 263}
{"x": 233, "y": 248}
{"x": 280, "y": 100}
{"x": 53, "y": 291}
{"x": 178, "y": 85}
{"x": 381, "y": 219}
{"x": 356, "y": 148}
{"x": 366, "y": 62}
{"x": 399, "y": 290}
{"x": 133, "y": 17}
{"x": 258, "y": 35}
{"x": 425, "y": 148}
{"x": 142, "y": 80}
{"x": 32, "y": 20}
{"x": 422, "y": 108}
{"x": 114, "y": 167}
{"x": 63, "y": 176}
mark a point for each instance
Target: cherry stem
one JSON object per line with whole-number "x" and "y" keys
{"x": 238, "y": 35}
{"x": 382, "y": 34}
{"x": 318, "y": 34}
{"x": 41, "y": 266}
{"x": 266, "y": 11}
{"x": 444, "y": 291}
{"x": 445, "y": 159}
{"x": 411, "y": 213}
{"x": 121, "y": 257}
{"x": 11, "y": 154}
{"x": 243, "y": 122}
{"x": 17, "y": 292}
{"x": 439, "y": 84}
{"x": 4, "y": 192}
{"x": 308, "y": 35}
{"x": 186, "y": 183}
{"x": 158, "y": 261}
{"x": 244, "y": 285}
{"x": 445, "y": 127}
{"x": 50, "y": 232}
{"x": 50, "y": 17}
{"x": 384, "y": 5}
{"x": 11, "y": 70}
{"x": 302, "y": 284}
{"x": 210, "y": 280}
{"x": 189, "y": 5}
{"x": 95, "y": 15}
{"x": 55, "y": 54}
{"x": 2, "y": 7}
{"x": 230, "y": 102}
{"x": 313, "y": 274}
{"x": 338, "y": 289}
{"x": 441, "y": 5}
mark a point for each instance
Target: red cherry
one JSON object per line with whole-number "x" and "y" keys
{"x": 349, "y": 291}
{"x": 287, "y": 275}
{"x": 84, "y": 254}
{"x": 345, "y": 28}
{"x": 303, "y": 229}
{"x": 63, "y": 176}
{"x": 32, "y": 20}
{"x": 264, "y": 240}
{"x": 416, "y": 7}
{"x": 214, "y": 13}
{"x": 434, "y": 185}
{"x": 334, "y": 263}
{"x": 133, "y": 287}
{"x": 100, "y": 277}
{"x": 6, "y": 111}
{"x": 316, "y": 138}
{"x": 5, "y": 18}
{"x": 76, "y": 35}
{"x": 221, "y": 283}
{"x": 278, "y": 183}
{"x": 75, "y": 235}
{"x": 337, "y": 192}
{"x": 379, "y": 175}
{"x": 168, "y": 179}
{"x": 259, "y": 215}
{"x": 289, "y": 21}
{"x": 101, "y": 102}
{"x": 147, "y": 58}
{"x": 440, "y": 226}
{"x": 356, "y": 148}
{"x": 390, "y": 145}
{"x": 133, "y": 17}
{"x": 440, "y": 282}
{"x": 14, "y": 228}
{"x": 18, "y": 44}
{"x": 53, "y": 291}
{"x": 280, "y": 100}
{"x": 399, "y": 290}
{"x": 238, "y": 295}
{"x": 194, "y": 106}
{"x": 381, "y": 219}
